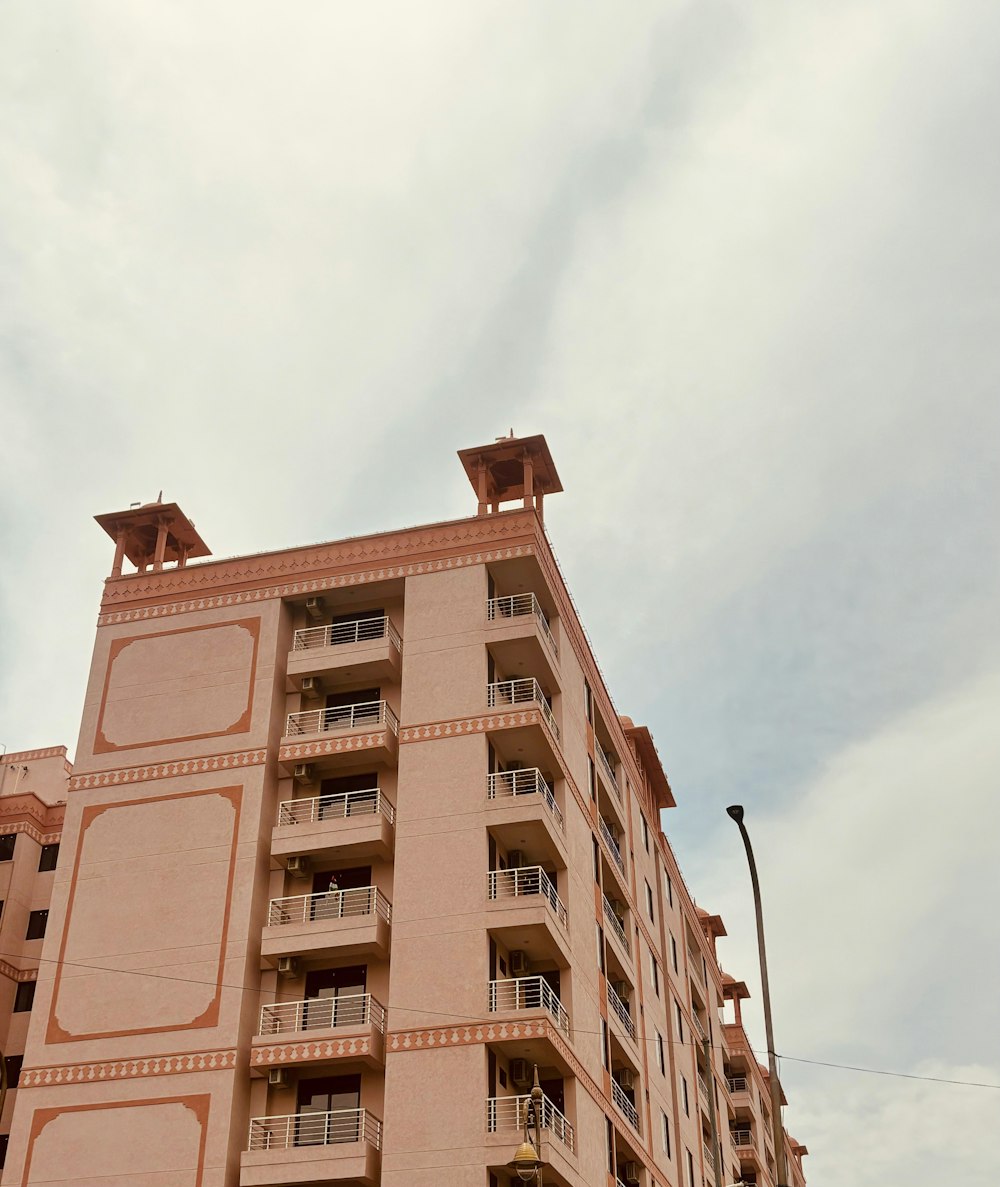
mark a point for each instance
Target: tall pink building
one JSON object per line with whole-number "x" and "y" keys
{"x": 354, "y": 840}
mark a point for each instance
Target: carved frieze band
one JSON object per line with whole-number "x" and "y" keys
{"x": 29, "y": 830}
{"x": 278, "y": 1053}
{"x": 299, "y": 751}
{"x": 169, "y": 770}
{"x": 129, "y": 1069}
{"x": 16, "y": 974}
{"x": 469, "y": 725}
{"x": 274, "y": 565}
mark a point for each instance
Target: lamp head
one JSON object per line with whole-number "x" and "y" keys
{"x": 525, "y": 1162}
{"x": 736, "y": 812}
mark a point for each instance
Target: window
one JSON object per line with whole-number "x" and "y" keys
{"x": 649, "y": 901}
{"x": 670, "y": 890}
{"x": 690, "y": 1161}
{"x": 654, "y": 973}
{"x": 47, "y": 858}
{"x": 604, "y": 1044}
{"x": 645, "y": 834}
{"x": 665, "y": 1130}
{"x": 609, "y": 1133}
{"x": 597, "y": 860}
{"x": 680, "y": 1023}
{"x": 7, "y": 847}
{"x": 684, "y": 1097}
{"x": 673, "y": 953}
{"x": 12, "y": 1065}
{"x": 4, "y": 1139}
{"x": 588, "y": 702}
{"x": 591, "y": 779}
{"x": 36, "y": 925}
{"x": 600, "y": 947}
{"x": 25, "y": 997}
{"x": 660, "y": 1057}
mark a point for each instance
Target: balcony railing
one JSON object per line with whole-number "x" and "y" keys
{"x": 520, "y": 692}
{"x": 365, "y": 715}
{"x": 608, "y": 769}
{"x": 737, "y": 1084}
{"x": 528, "y": 993}
{"x": 370, "y": 802}
{"x": 616, "y": 926}
{"x": 609, "y": 839}
{"x": 624, "y": 1105}
{"x": 527, "y": 880}
{"x": 526, "y": 782}
{"x": 333, "y": 904}
{"x": 621, "y": 1011}
{"x": 322, "y": 1013}
{"x": 702, "y": 1033}
{"x": 742, "y": 1138}
{"x": 706, "y": 1149}
{"x": 505, "y": 1113}
{"x": 315, "y": 1129}
{"x": 360, "y": 631}
{"x": 703, "y": 1089}
{"x": 515, "y": 607}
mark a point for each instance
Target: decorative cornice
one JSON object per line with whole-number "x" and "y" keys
{"x": 29, "y": 811}
{"x": 321, "y": 567}
{"x": 30, "y": 755}
{"x": 278, "y": 1053}
{"x": 469, "y": 725}
{"x": 16, "y": 974}
{"x": 300, "y": 751}
{"x": 129, "y": 1069}
{"x": 168, "y": 770}
{"x": 29, "y": 830}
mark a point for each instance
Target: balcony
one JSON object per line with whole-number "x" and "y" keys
{"x": 357, "y": 824}
{"x": 702, "y": 1033}
{"x": 527, "y": 691}
{"x": 620, "y": 1011}
{"x": 321, "y": 735}
{"x": 320, "y": 1030}
{"x": 319, "y": 926}
{"x": 616, "y": 928}
{"x": 607, "y": 770}
{"x": 743, "y": 1139}
{"x": 505, "y": 1114}
{"x": 611, "y": 844}
{"x": 500, "y": 612}
{"x": 703, "y": 1091}
{"x": 504, "y": 785}
{"x": 313, "y": 1148}
{"x": 706, "y": 1150}
{"x": 527, "y": 882}
{"x": 368, "y": 649}
{"x": 737, "y": 1084}
{"x": 528, "y": 993}
{"x": 624, "y": 1105}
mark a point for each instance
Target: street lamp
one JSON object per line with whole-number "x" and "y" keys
{"x": 736, "y": 812}
{"x": 526, "y": 1162}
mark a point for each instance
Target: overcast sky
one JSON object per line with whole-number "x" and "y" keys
{"x": 737, "y": 261}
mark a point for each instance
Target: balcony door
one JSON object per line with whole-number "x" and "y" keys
{"x": 358, "y": 626}
{"x": 329, "y": 900}
{"x": 328, "y": 1111}
{"x": 553, "y": 1090}
{"x": 334, "y": 997}
{"x": 348, "y": 795}
{"x": 343, "y": 711}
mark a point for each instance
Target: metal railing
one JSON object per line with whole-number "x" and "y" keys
{"x": 737, "y": 1084}
{"x": 322, "y": 1013}
{"x": 527, "y": 880}
{"x": 608, "y": 769}
{"x": 519, "y": 692}
{"x": 609, "y": 839}
{"x": 333, "y": 904}
{"x": 703, "y": 1089}
{"x": 706, "y": 1149}
{"x": 624, "y": 1105}
{"x": 742, "y": 1137}
{"x": 315, "y": 1129}
{"x": 505, "y": 1113}
{"x": 528, "y": 993}
{"x": 616, "y": 926}
{"x": 364, "y": 715}
{"x": 621, "y": 1010}
{"x": 360, "y": 631}
{"x": 518, "y": 605}
{"x": 702, "y": 1033}
{"x": 369, "y": 802}
{"x": 525, "y": 782}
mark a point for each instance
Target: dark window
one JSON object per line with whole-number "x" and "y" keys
{"x": 665, "y": 1121}
{"x": 4, "y": 1139}
{"x": 7, "y": 847}
{"x": 661, "y": 1058}
{"x": 327, "y": 1110}
{"x": 25, "y": 996}
{"x": 591, "y": 782}
{"x": 609, "y": 1133}
{"x": 645, "y": 834}
{"x": 649, "y": 901}
{"x": 588, "y": 701}
{"x": 597, "y": 861}
{"x": 12, "y": 1064}
{"x": 36, "y": 925}
{"x": 670, "y": 891}
{"x": 684, "y": 1094}
{"x": 47, "y": 858}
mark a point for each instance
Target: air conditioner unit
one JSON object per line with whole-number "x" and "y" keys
{"x": 520, "y": 1073}
{"x": 298, "y": 866}
{"x": 519, "y": 965}
{"x": 631, "y": 1172}
{"x": 303, "y": 772}
{"x": 622, "y": 989}
{"x": 515, "y": 859}
{"x": 312, "y": 686}
{"x": 277, "y": 1077}
{"x": 288, "y": 966}
{"x": 626, "y": 1079}
{"x": 315, "y": 608}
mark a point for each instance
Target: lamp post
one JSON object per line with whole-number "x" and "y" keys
{"x": 736, "y": 812}
{"x": 526, "y": 1162}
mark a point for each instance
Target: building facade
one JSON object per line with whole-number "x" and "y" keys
{"x": 354, "y": 842}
